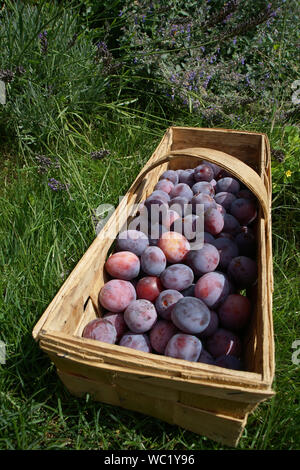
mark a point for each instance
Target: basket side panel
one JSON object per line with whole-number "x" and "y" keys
{"x": 221, "y": 428}
{"x": 221, "y": 398}
{"x": 244, "y": 145}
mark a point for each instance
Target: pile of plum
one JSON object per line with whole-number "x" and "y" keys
{"x": 166, "y": 298}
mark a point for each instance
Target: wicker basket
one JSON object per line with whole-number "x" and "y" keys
{"x": 205, "y": 399}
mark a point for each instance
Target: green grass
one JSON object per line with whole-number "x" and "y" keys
{"x": 45, "y": 233}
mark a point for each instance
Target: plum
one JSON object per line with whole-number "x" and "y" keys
{"x": 164, "y": 185}
{"x": 116, "y": 295}
{"x": 140, "y": 316}
{"x": 190, "y": 315}
{"x": 117, "y": 319}
{"x": 204, "y": 260}
{"x": 206, "y": 358}
{"x": 213, "y": 221}
{"x": 203, "y": 172}
{"x": 101, "y": 330}
{"x": 235, "y": 311}
{"x": 170, "y": 175}
{"x": 224, "y": 342}
{"x": 137, "y": 341}
{"x": 160, "y": 335}
{"x": 227, "y": 184}
{"x": 227, "y": 249}
{"x": 123, "y": 265}
{"x": 182, "y": 190}
{"x": 203, "y": 187}
{"x": 153, "y": 261}
{"x": 212, "y": 288}
{"x": 148, "y": 288}
{"x": 166, "y": 301}
{"x": 244, "y": 210}
{"x": 243, "y": 271}
{"x": 183, "y": 346}
{"x": 177, "y": 277}
{"x": 132, "y": 240}
{"x": 174, "y": 245}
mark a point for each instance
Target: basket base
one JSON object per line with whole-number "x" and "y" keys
{"x": 224, "y": 429}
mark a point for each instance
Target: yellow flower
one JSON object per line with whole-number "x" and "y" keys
{"x": 288, "y": 173}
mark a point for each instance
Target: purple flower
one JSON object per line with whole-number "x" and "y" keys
{"x": 234, "y": 41}
{"x": 274, "y": 13}
{"x": 43, "y": 42}
{"x": 56, "y": 185}
{"x": 102, "y": 47}
{"x": 227, "y": 18}
{"x": 205, "y": 84}
{"x": 243, "y": 61}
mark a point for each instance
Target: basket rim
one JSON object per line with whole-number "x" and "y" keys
{"x": 87, "y": 351}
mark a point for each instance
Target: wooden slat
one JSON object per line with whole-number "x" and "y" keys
{"x": 213, "y": 379}
{"x": 120, "y": 356}
{"x": 222, "y": 428}
{"x": 241, "y": 144}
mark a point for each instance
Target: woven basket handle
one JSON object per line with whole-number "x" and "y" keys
{"x": 232, "y": 164}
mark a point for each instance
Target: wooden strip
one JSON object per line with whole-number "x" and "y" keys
{"x": 80, "y": 386}
{"x": 228, "y": 407}
{"x": 114, "y": 354}
{"x": 218, "y": 427}
{"x": 89, "y": 314}
{"x": 262, "y": 305}
{"x": 238, "y": 169}
{"x": 241, "y": 144}
{"x": 270, "y": 268}
{"x": 94, "y": 368}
